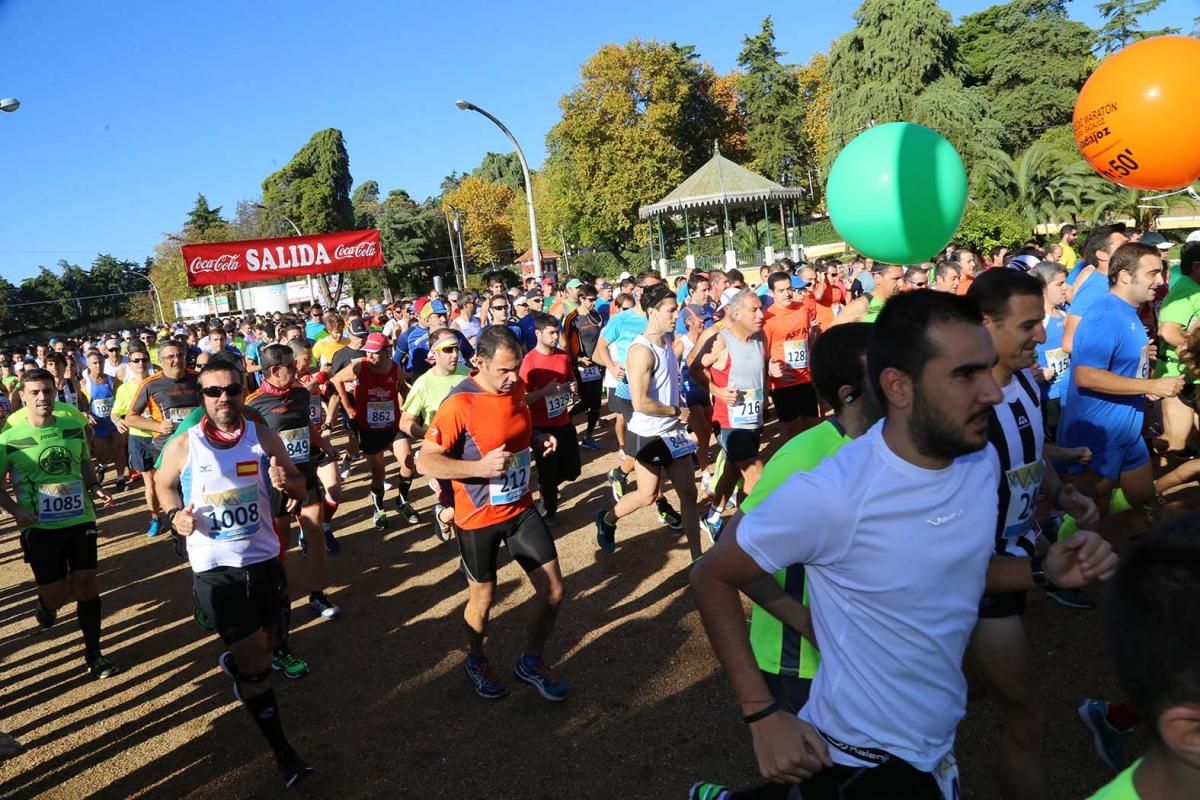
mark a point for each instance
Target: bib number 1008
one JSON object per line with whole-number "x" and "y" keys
{"x": 235, "y": 517}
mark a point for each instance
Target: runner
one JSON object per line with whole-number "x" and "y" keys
{"x": 216, "y": 481}
{"x": 45, "y": 458}
{"x": 888, "y": 280}
{"x": 828, "y": 295}
{"x": 318, "y": 385}
{"x": 66, "y": 385}
{"x": 1088, "y": 284}
{"x": 582, "y": 330}
{"x": 370, "y": 393}
{"x": 787, "y": 330}
{"x": 108, "y": 444}
{"x": 873, "y": 727}
{"x": 730, "y": 364}
{"x": 424, "y": 398}
{"x": 357, "y": 333}
{"x": 1052, "y": 359}
{"x": 168, "y": 397}
{"x": 481, "y": 440}
{"x": 139, "y": 448}
{"x": 286, "y": 407}
{"x": 658, "y": 426}
{"x": 698, "y": 402}
{"x": 947, "y": 276}
{"x": 1110, "y": 379}
{"x": 999, "y": 655}
{"x": 1180, "y": 311}
{"x": 549, "y": 385}
{"x": 114, "y": 362}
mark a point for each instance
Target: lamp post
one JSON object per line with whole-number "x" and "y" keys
{"x": 313, "y": 280}
{"x": 157, "y": 295}
{"x": 9, "y": 104}
{"x": 535, "y": 247}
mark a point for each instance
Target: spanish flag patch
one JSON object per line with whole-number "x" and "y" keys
{"x": 247, "y": 468}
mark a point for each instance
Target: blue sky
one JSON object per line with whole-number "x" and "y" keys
{"x": 129, "y": 109}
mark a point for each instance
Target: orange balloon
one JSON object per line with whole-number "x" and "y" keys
{"x": 1137, "y": 119}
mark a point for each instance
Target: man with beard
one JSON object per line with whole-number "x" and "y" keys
{"x": 895, "y": 572}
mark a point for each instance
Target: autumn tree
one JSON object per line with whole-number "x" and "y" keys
{"x": 487, "y": 229}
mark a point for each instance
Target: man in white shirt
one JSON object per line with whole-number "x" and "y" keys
{"x": 895, "y": 574}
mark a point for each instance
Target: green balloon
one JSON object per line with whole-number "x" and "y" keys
{"x": 897, "y": 193}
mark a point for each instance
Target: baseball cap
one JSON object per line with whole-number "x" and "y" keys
{"x": 696, "y": 310}
{"x": 1194, "y": 236}
{"x": 727, "y": 297}
{"x": 866, "y": 280}
{"x": 375, "y": 342}
{"x": 521, "y": 300}
{"x": 435, "y": 307}
{"x": 574, "y": 283}
{"x": 799, "y": 283}
{"x": 1156, "y": 239}
{"x": 419, "y": 306}
{"x": 623, "y": 276}
{"x": 1023, "y": 263}
{"x": 357, "y": 328}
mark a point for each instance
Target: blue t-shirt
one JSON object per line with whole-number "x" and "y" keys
{"x": 526, "y": 332}
{"x": 681, "y": 294}
{"x": 1074, "y": 272}
{"x": 1051, "y": 354}
{"x": 412, "y": 349}
{"x": 603, "y": 307}
{"x": 313, "y": 328}
{"x": 1093, "y": 289}
{"x": 1111, "y": 338}
{"x": 620, "y": 331}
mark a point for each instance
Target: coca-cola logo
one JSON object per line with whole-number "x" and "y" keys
{"x": 222, "y": 263}
{"x": 360, "y": 250}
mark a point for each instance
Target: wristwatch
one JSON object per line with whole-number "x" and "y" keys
{"x": 1039, "y": 574}
{"x": 170, "y": 517}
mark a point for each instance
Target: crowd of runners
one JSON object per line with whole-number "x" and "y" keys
{"x": 940, "y": 440}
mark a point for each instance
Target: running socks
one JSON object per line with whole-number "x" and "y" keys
{"x": 377, "y": 498}
{"x": 285, "y": 621}
{"x": 329, "y": 507}
{"x": 88, "y": 613}
{"x": 404, "y": 486}
{"x": 265, "y": 710}
{"x": 593, "y": 417}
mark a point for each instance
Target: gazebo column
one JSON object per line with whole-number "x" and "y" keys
{"x": 727, "y": 240}
{"x": 687, "y": 233}
{"x": 796, "y": 236}
{"x": 662, "y": 252}
{"x": 769, "y": 248}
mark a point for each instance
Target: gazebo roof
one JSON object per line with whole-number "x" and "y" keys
{"x": 720, "y": 182}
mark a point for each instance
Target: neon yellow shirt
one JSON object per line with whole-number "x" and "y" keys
{"x": 1120, "y": 787}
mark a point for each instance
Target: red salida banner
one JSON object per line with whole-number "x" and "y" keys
{"x": 281, "y": 259}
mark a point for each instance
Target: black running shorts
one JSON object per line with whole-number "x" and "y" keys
{"x": 54, "y": 553}
{"x": 528, "y": 540}
{"x": 373, "y": 442}
{"x": 242, "y": 600}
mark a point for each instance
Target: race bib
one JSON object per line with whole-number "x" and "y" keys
{"x": 946, "y": 775}
{"x": 1023, "y": 486}
{"x": 1144, "y": 363}
{"x": 102, "y": 407}
{"x": 380, "y": 415}
{"x": 60, "y": 501}
{"x": 178, "y": 415}
{"x": 513, "y": 483}
{"x": 795, "y": 354}
{"x": 231, "y": 514}
{"x": 557, "y": 404}
{"x": 679, "y": 443}
{"x": 314, "y": 409}
{"x": 589, "y": 374}
{"x": 747, "y": 408}
{"x": 298, "y": 444}
{"x": 1058, "y": 360}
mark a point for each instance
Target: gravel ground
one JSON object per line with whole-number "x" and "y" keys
{"x": 387, "y": 712}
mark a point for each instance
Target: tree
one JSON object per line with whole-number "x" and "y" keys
{"x": 487, "y": 230}
{"x": 203, "y": 220}
{"x": 44, "y": 302}
{"x": 1026, "y": 96}
{"x": 1121, "y": 21}
{"x": 501, "y": 168}
{"x": 365, "y": 201}
{"x": 638, "y": 121}
{"x": 816, "y": 92}
{"x": 984, "y": 227}
{"x": 771, "y": 96}
{"x": 733, "y": 125}
{"x": 313, "y": 190}
{"x": 410, "y": 233}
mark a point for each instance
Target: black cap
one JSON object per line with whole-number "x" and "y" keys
{"x": 357, "y": 328}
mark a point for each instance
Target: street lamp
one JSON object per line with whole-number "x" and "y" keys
{"x": 157, "y": 294}
{"x": 9, "y": 104}
{"x": 535, "y": 246}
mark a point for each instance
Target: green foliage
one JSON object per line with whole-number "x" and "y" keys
{"x": 816, "y": 233}
{"x": 501, "y": 168}
{"x": 599, "y": 264}
{"x": 365, "y": 201}
{"x": 1121, "y": 23}
{"x": 203, "y": 221}
{"x": 983, "y": 228}
{"x": 313, "y": 189}
{"x": 771, "y": 97}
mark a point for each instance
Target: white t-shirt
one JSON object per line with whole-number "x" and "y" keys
{"x": 896, "y": 558}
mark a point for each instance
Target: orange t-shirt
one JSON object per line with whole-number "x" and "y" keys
{"x": 964, "y": 283}
{"x": 472, "y": 422}
{"x": 787, "y": 341}
{"x": 831, "y": 295}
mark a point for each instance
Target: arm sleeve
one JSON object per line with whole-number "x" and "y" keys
{"x": 449, "y": 423}
{"x": 141, "y": 399}
{"x": 1095, "y": 343}
{"x": 770, "y": 535}
{"x": 415, "y": 402}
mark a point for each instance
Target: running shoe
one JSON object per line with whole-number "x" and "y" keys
{"x": 122, "y": 484}
{"x": 440, "y": 529}
{"x": 332, "y": 545}
{"x": 705, "y": 482}
{"x": 293, "y": 768}
{"x": 590, "y": 443}
{"x": 1071, "y": 598}
{"x": 229, "y": 667}
{"x": 44, "y": 616}
{"x": 321, "y": 606}
{"x": 408, "y": 513}
{"x": 487, "y": 684}
{"x": 668, "y": 515}
{"x": 155, "y": 527}
{"x": 619, "y": 483}
{"x": 708, "y": 791}
{"x": 712, "y": 522}
{"x": 380, "y": 518}
{"x": 534, "y": 671}
{"x": 1111, "y": 743}
{"x": 344, "y": 466}
{"x": 291, "y": 665}
{"x": 606, "y": 533}
{"x": 101, "y": 667}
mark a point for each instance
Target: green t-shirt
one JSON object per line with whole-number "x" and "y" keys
{"x": 428, "y": 392}
{"x": 1181, "y": 306}
{"x": 47, "y": 469}
{"x": 61, "y": 409}
{"x": 778, "y": 649}
{"x": 873, "y": 309}
{"x": 1120, "y": 787}
{"x": 10, "y": 382}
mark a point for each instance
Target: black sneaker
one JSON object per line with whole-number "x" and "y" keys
{"x": 293, "y": 768}
{"x": 408, "y": 513}
{"x": 44, "y": 616}
{"x": 668, "y": 515}
{"x": 122, "y": 484}
{"x": 440, "y": 529}
{"x": 606, "y": 535}
{"x": 101, "y": 667}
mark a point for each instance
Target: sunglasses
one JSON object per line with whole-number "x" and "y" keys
{"x": 233, "y": 390}
{"x": 138, "y": 360}
{"x": 499, "y": 308}
{"x": 451, "y": 348}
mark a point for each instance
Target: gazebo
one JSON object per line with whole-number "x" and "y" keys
{"x": 718, "y": 186}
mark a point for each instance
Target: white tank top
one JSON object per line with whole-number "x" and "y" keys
{"x": 664, "y": 387}
{"x": 232, "y": 500}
